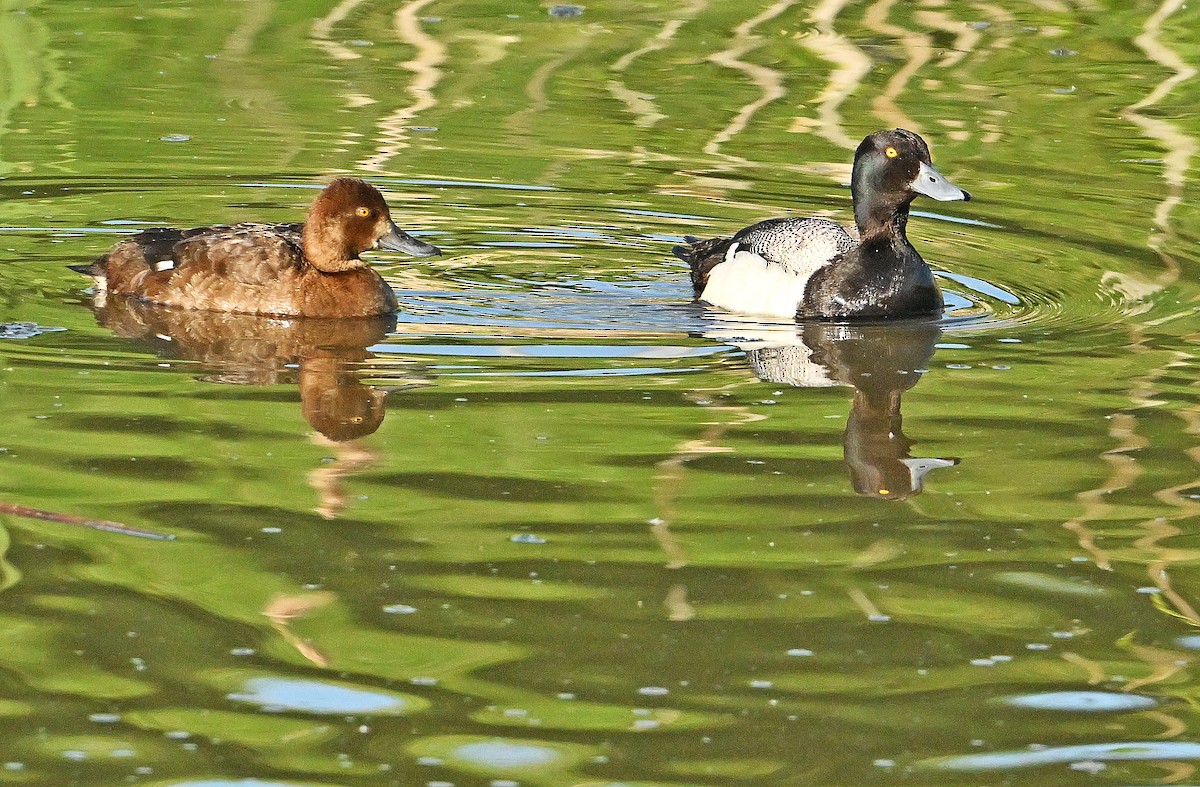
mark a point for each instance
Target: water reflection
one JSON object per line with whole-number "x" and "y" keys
{"x": 1145, "y": 751}
{"x": 321, "y": 356}
{"x": 881, "y": 362}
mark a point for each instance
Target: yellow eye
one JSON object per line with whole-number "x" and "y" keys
{"x": 891, "y": 152}
{"x": 364, "y": 212}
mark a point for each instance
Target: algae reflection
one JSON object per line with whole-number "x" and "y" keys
{"x": 322, "y": 356}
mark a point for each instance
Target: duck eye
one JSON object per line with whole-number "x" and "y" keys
{"x": 364, "y": 212}
{"x": 891, "y": 152}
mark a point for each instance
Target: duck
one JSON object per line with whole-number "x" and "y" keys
{"x": 812, "y": 268}
{"x": 311, "y": 269}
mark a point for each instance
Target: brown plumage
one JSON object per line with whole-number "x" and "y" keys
{"x": 311, "y": 269}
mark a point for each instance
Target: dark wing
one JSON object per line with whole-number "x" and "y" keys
{"x": 244, "y": 253}
{"x": 137, "y": 250}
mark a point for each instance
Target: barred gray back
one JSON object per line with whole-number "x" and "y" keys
{"x": 801, "y": 246}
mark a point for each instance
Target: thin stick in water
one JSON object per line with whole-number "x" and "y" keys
{"x": 70, "y": 519}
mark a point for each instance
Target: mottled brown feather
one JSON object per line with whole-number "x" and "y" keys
{"x": 311, "y": 269}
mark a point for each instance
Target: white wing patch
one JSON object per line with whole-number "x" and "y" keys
{"x": 749, "y": 284}
{"x": 164, "y": 265}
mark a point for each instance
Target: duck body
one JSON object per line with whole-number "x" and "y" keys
{"x": 814, "y": 268}
{"x": 880, "y": 278}
{"x": 294, "y": 270}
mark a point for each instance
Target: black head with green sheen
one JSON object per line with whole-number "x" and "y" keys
{"x": 891, "y": 168}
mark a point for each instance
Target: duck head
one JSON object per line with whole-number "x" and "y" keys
{"x": 891, "y": 168}
{"x": 349, "y": 217}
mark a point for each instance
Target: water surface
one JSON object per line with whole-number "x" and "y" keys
{"x": 557, "y": 524}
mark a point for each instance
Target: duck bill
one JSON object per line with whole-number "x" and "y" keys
{"x": 934, "y": 184}
{"x": 399, "y": 240}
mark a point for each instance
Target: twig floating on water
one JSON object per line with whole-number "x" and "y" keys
{"x": 70, "y": 519}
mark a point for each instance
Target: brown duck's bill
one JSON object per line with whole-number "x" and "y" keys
{"x": 934, "y": 184}
{"x": 399, "y": 240}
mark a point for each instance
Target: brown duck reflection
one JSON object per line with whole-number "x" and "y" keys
{"x": 322, "y": 355}
{"x": 881, "y": 362}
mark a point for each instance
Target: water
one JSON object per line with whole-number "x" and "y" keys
{"x": 557, "y": 524}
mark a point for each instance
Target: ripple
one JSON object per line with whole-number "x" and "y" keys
{"x": 310, "y": 696}
{"x": 25, "y": 330}
{"x": 1054, "y": 755}
{"x": 234, "y": 783}
{"x": 1084, "y": 701}
{"x": 550, "y": 303}
{"x": 505, "y": 754}
{"x": 495, "y": 755}
{"x": 1038, "y": 581}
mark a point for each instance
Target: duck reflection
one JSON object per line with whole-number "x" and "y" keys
{"x": 321, "y": 355}
{"x": 881, "y": 362}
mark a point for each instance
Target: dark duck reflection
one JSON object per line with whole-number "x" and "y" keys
{"x": 881, "y": 362}
{"x": 321, "y": 355}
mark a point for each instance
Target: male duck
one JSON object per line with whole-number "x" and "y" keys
{"x": 813, "y": 268}
{"x": 302, "y": 270}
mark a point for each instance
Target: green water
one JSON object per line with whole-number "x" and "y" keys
{"x": 558, "y": 524}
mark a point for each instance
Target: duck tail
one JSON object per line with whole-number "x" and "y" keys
{"x": 702, "y": 256}
{"x": 93, "y": 268}
{"x": 685, "y": 252}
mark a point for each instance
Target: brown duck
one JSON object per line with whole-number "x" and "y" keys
{"x": 294, "y": 270}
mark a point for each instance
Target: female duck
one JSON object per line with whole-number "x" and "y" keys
{"x": 812, "y": 268}
{"x": 302, "y": 270}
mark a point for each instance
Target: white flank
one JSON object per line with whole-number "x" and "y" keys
{"x": 777, "y": 355}
{"x": 748, "y": 284}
